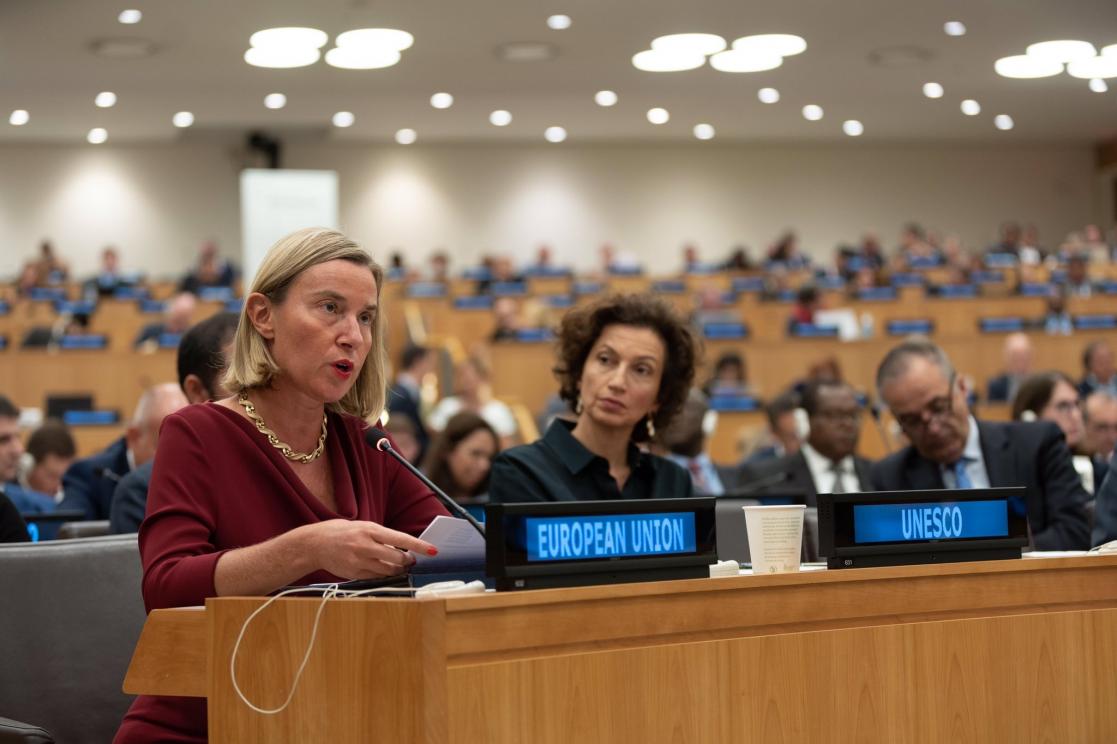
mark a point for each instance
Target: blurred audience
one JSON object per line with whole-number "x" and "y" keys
{"x": 1052, "y": 396}
{"x": 1018, "y": 356}
{"x": 50, "y": 451}
{"x": 109, "y": 277}
{"x": 461, "y": 457}
{"x": 1056, "y": 319}
{"x": 405, "y": 433}
{"x": 474, "y": 393}
{"x": 1099, "y": 415}
{"x": 12, "y": 526}
{"x": 807, "y": 303}
{"x": 506, "y": 316}
{"x": 177, "y": 319}
{"x": 210, "y": 271}
{"x": 1099, "y": 370}
{"x": 730, "y": 376}
{"x": 405, "y": 396}
{"x": 782, "y": 436}
{"x": 684, "y": 441}
{"x": 45, "y": 271}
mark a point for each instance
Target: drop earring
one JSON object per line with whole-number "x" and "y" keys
{"x": 578, "y": 406}
{"x": 651, "y": 427}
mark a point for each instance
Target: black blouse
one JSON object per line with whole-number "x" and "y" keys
{"x": 559, "y": 468}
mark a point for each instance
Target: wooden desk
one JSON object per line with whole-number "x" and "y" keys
{"x": 1006, "y": 651}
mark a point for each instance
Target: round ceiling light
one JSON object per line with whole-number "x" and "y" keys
{"x": 554, "y": 134}
{"x": 378, "y": 38}
{"x": 1098, "y": 85}
{"x": 130, "y": 17}
{"x": 605, "y": 98}
{"x": 970, "y": 107}
{"x": 289, "y": 36}
{"x": 362, "y": 58}
{"x": 1003, "y": 122}
{"x": 558, "y": 22}
{"x": 1061, "y": 50}
{"x": 183, "y": 119}
{"x": 97, "y": 136}
{"x": 281, "y": 57}
{"x": 954, "y": 28}
{"x": 704, "y": 131}
{"x": 343, "y": 119}
{"x": 932, "y": 90}
{"x": 704, "y": 44}
{"x": 19, "y": 117}
{"x": 105, "y": 99}
{"x": 658, "y": 115}
{"x": 1095, "y": 67}
{"x": 275, "y": 100}
{"x": 812, "y": 112}
{"x": 500, "y": 118}
{"x": 667, "y": 60}
{"x": 744, "y": 60}
{"x": 784, "y": 45}
{"x": 1025, "y": 67}
{"x": 853, "y": 128}
{"x": 442, "y": 100}
{"x": 768, "y": 95}
{"x": 406, "y": 136}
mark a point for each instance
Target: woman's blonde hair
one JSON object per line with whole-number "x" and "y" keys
{"x": 251, "y": 364}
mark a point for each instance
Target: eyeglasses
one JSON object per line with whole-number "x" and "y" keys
{"x": 839, "y": 417}
{"x": 937, "y": 410}
{"x": 1066, "y": 406}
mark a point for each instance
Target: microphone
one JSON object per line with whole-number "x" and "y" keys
{"x": 106, "y": 473}
{"x": 874, "y": 411}
{"x": 761, "y": 484}
{"x": 377, "y": 439}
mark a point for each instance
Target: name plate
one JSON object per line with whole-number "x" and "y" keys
{"x": 576, "y": 543}
{"x": 903, "y": 527}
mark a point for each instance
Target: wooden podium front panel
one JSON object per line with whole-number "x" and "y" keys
{"x": 376, "y": 673}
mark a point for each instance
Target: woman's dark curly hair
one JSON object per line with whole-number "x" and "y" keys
{"x": 580, "y": 328}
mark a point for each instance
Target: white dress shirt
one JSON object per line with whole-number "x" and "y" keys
{"x": 826, "y": 475}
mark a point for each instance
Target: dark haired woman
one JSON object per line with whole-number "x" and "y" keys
{"x": 461, "y": 455}
{"x": 625, "y": 365}
{"x": 1053, "y": 396}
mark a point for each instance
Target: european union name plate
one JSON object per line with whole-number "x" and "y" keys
{"x": 878, "y": 523}
{"x": 609, "y": 536}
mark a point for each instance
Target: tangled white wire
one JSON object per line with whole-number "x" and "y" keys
{"x": 334, "y": 591}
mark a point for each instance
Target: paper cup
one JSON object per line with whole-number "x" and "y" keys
{"x": 775, "y": 537}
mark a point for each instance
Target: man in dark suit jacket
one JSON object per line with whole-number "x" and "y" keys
{"x": 826, "y": 462}
{"x": 404, "y": 396}
{"x": 88, "y": 484}
{"x": 1018, "y": 365}
{"x": 951, "y": 449}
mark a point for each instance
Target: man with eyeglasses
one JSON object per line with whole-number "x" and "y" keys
{"x": 951, "y": 449}
{"x": 826, "y": 462}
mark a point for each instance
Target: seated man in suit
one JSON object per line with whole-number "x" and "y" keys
{"x": 826, "y": 462}
{"x": 1100, "y": 370}
{"x": 178, "y": 316}
{"x": 1018, "y": 354}
{"x": 201, "y": 366}
{"x": 88, "y": 484}
{"x": 404, "y": 397}
{"x": 684, "y": 440}
{"x": 12, "y": 526}
{"x": 951, "y": 449}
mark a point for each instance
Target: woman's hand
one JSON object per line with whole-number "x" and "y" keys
{"x": 362, "y": 550}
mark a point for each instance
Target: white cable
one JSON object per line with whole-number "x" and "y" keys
{"x": 333, "y": 591}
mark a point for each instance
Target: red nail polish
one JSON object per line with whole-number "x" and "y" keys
{"x": 432, "y": 551}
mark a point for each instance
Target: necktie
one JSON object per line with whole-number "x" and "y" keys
{"x": 961, "y": 477}
{"x": 836, "y": 468}
{"x": 698, "y": 477}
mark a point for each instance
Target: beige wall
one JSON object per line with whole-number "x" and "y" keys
{"x": 158, "y": 201}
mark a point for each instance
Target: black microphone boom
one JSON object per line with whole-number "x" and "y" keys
{"x": 377, "y": 439}
{"x": 761, "y": 484}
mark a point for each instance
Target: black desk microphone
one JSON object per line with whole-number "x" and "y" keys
{"x": 379, "y": 440}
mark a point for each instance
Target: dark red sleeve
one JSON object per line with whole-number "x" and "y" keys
{"x": 176, "y": 538}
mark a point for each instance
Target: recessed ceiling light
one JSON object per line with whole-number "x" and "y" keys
{"x": 1003, "y": 122}
{"x": 289, "y": 36}
{"x": 954, "y": 28}
{"x": 1098, "y": 85}
{"x": 853, "y": 128}
{"x": 19, "y": 117}
{"x": 745, "y": 60}
{"x": 500, "y": 118}
{"x": 667, "y": 60}
{"x": 783, "y": 45}
{"x": 129, "y": 17}
{"x": 1095, "y": 67}
{"x": 105, "y": 99}
{"x": 376, "y": 38}
{"x": 344, "y": 119}
{"x": 362, "y": 58}
{"x": 1062, "y": 50}
{"x": 605, "y": 98}
{"x": 704, "y": 131}
{"x": 768, "y": 95}
{"x": 554, "y": 134}
{"x": 96, "y": 136}
{"x": 1024, "y": 67}
{"x": 275, "y": 100}
{"x": 406, "y": 136}
{"x": 658, "y": 115}
{"x": 704, "y": 44}
{"x": 558, "y": 22}
{"x": 442, "y": 100}
{"x": 182, "y": 119}
{"x": 281, "y": 57}
{"x": 970, "y": 107}
{"x": 811, "y": 112}
{"x": 932, "y": 90}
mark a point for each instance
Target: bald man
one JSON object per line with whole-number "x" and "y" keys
{"x": 1018, "y": 354}
{"x": 88, "y": 484}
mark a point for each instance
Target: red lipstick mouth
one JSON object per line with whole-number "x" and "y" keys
{"x": 344, "y": 366}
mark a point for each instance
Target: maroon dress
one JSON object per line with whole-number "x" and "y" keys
{"x": 218, "y": 485}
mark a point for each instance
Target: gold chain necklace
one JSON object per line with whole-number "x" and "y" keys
{"x": 273, "y": 440}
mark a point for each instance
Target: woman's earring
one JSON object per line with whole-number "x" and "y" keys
{"x": 578, "y": 406}
{"x": 651, "y": 427}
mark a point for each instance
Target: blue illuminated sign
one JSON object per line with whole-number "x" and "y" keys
{"x": 877, "y": 523}
{"x": 609, "y": 536}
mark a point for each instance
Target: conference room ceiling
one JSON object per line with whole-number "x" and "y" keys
{"x": 865, "y": 61}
